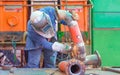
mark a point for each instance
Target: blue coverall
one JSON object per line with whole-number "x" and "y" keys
{"x": 35, "y": 43}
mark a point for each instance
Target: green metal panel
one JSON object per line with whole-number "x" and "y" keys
{"x": 106, "y": 30}
{"x": 106, "y": 20}
{"x": 29, "y": 71}
{"x": 4, "y": 72}
{"x": 106, "y": 5}
{"x": 108, "y": 45}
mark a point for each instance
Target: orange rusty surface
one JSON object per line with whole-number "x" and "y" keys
{"x": 65, "y": 66}
{"x": 62, "y": 65}
{"x": 13, "y": 16}
{"x": 77, "y": 37}
{"x": 82, "y": 11}
{"x": 0, "y": 15}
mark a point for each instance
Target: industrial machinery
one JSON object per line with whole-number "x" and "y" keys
{"x": 13, "y": 23}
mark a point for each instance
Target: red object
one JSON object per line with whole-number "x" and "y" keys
{"x": 62, "y": 65}
{"x": 75, "y": 34}
{"x": 72, "y": 67}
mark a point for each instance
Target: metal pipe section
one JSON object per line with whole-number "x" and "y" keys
{"x": 72, "y": 67}
{"x": 77, "y": 67}
{"x": 94, "y": 59}
{"x": 77, "y": 39}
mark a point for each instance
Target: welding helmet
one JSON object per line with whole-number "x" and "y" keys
{"x": 42, "y": 24}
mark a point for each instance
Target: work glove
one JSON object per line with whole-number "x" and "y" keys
{"x": 62, "y": 48}
{"x": 78, "y": 52}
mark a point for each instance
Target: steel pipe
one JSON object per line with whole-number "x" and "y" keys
{"x": 94, "y": 59}
{"x": 72, "y": 67}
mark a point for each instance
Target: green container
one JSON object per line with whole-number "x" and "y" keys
{"x": 106, "y": 30}
{"x": 108, "y": 45}
{"x": 106, "y": 5}
{"x": 106, "y": 14}
{"x": 106, "y": 20}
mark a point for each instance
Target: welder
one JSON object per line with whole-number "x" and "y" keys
{"x": 42, "y": 36}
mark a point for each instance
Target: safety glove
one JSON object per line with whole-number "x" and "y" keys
{"x": 62, "y": 48}
{"x": 78, "y": 52}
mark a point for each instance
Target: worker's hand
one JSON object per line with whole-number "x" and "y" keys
{"x": 67, "y": 48}
{"x": 62, "y": 48}
{"x": 78, "y": 52}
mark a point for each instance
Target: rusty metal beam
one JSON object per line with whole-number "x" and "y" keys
{"x": 30, "y": 5}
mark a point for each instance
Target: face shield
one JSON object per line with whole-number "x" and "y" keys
{"x": 42, "y": 24}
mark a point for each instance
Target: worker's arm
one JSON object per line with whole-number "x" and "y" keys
{"x": 56, "y": 46}
{"x": 39, "y": 40}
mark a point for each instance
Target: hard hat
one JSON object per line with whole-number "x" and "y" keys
{"x": 42, "y": 24}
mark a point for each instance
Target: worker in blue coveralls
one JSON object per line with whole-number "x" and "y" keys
{"x": 42, "y": 36}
